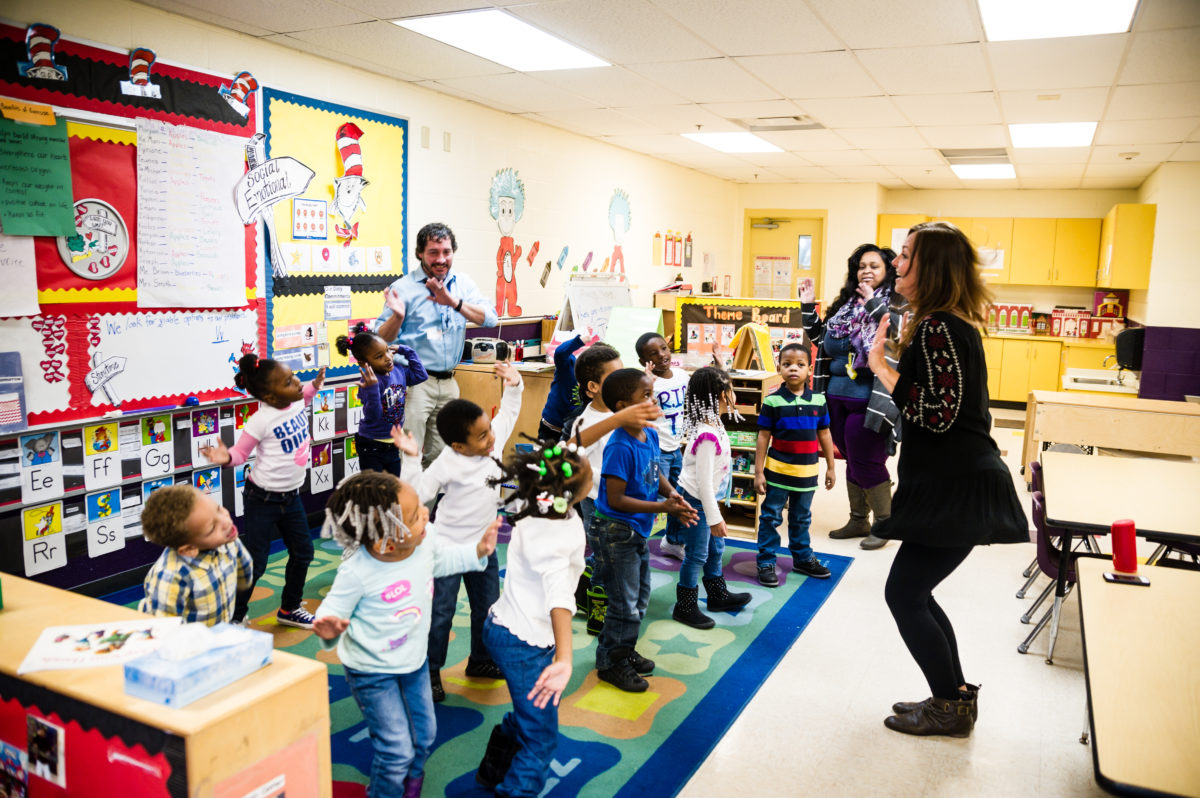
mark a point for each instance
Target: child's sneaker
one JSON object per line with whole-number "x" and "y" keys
{"x": 622, "y": 676}
{"x": 299, "y": 618}
{"x": 767, "y": 576}
{"x": 640, "y": 664}
{"x": 810, "y": 567}
{"x": 598, "y": 610}
{"x": 670, "y": 549}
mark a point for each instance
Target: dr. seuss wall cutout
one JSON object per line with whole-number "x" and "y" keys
{"x": 618, "y": 220}
{"x": 40, "y": 39}
{"x": 242, "y": 85}
{"x": 141, "y": 59}
{"x": 347, "y": 190}
{"x": 506, "y": 203}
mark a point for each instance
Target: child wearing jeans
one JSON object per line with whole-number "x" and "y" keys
{"x": 377, "y": 615}
{"x": 670, "y": 387}
{"x": 528, "y": 630}
{"x": 629, "y": 489}
{"x": 278, "y": 430}
{"x": 704, "y": 480}
{"x": 793, "y": 425}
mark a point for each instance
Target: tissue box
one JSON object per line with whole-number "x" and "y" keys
{"x": 234, "y": 652}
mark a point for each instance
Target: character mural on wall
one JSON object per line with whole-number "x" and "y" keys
{"x": 347, "y": 191}
{"x": 618, "y": 220}
{"x": 506, "y": 202}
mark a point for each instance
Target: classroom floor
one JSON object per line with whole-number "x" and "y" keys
{"x": 816, "y": 726}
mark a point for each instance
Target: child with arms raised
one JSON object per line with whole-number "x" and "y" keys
{"x": 377, "y": 615}
{"x": 384, "y": 389}
{"x": 528, "y": 631}
{"x": 278, "y": 431}
{"x": 670, "y": 387}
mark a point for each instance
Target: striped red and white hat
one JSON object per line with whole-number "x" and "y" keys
{"x": 140, "y": 61}
{"x": 243, "y": 84}
{"x": 40, "y": 39}
{"x": 347, "y": 141}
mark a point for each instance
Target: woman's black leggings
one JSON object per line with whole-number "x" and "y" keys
{"x": 926, "y": 630}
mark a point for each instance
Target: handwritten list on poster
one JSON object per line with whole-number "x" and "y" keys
{"x": 18, "y": 274}
{"x": 35, "y": 179}
{"x": 191, "y": 243}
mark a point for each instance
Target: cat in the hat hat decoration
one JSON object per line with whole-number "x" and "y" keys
{"x": 347, "y": 189}
{"x": 40, "y": 39}
{"x": 506, "y": 202}
{"x": 235, "y": 93}
{"x": 141, "y": 60}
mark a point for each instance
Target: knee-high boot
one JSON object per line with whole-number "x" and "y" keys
{"x": 859, "y": 524}
{"x": 879, "y": 498}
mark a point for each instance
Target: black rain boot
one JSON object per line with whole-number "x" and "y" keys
{"x": 719, "y": 597}
{"x": 687, "y": 611}
{"x": 936, "y": 716}
{"x": 497, "y": 758}
{"x": 970, "y": 694}
{"x": 859, "y": 525}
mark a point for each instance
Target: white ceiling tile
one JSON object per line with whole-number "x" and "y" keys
{"x": 882, "y": 23}
{"x": 1043, "y": 183}
{"x": 895, "y": 184}
{"x": 289, "y": 40}
{"x": 934, "y": 183}
{"x": 744, "y": 174}
{"x": 916, "y": 70}
{"x": 774, "y": 160}
{"x": 518, "y": 90}
{"x": 1050, "y": 170}
{"x": 976, "y": 108}
{"x": 883, "y": 138}
{"x": 1187, "y": 152}
{"x": 1163, "y": 56}
{"x": 1006, "y": 183}
{"x": 454, "y": 91}
{"x": 1152, "y": 153}
{"x": 285, "y": 16}
{"x": 619, "y": 31}
{"x": 688, "y": 118}
{"x": 709, "y": 158}
{"x": 1165, "y": 100}
{"x": 906, "y": 157}
{"x": 1111, "y": 182}
{"x": 754, "y": 110}
{"x": 1166, "y": 14}
{"x": 862, "y": 173}
{"x": 596, "y": 122}
{"x": 656, "y": 144}
{"x": 1156, "y": 131}
{"x": 811, "y": 140}
{"x": 833, "y": 74}
{"x": 610, "y": 86}
{"x": 382, "y": 43}
{"x": 212, "y": 13}
{"x": 1072, "y": 105}
{"x": 854, "y": 112}
{"x": 1060, "y": 63}
{"x": 1049, "y": 155}
{"x": 792, "y": 27}
{"x": 963, "y": 136}
{"x": 397, "y": 9}
{"x": 812, "y": 174}
{"x": 837, "y": 157}
{"x": 713, "y": 80}
{"x": 1129, "y": 170}
{"x": 923, "y": 172}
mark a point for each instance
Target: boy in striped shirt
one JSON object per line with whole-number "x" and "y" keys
{"x": 793, "y": 425}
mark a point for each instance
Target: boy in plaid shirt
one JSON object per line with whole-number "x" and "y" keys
{"x": 204, "y": 565}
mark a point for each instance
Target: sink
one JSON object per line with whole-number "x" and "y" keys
{"x": 1095, "y": 381}
{"x": 1103, "y": 380}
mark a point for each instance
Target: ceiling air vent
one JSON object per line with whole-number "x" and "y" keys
{"x": 771, "y": 124}
{"x": 974, "y": 156}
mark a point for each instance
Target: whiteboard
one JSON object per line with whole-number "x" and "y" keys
{"x": 590, "y": 303}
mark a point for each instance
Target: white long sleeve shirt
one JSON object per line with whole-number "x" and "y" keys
{"x": 544, "y": 563}
{"x": 707, "y": 469}
{"x": 595, "y": 452}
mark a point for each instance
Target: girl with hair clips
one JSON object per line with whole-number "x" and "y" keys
{"x": 383, "y": 392}
{"x": 862, "y": 417}
{"x": 954, "y": 491}
{"x": 377, "y": 616}
{"x": 703, "y": 482}
{"x": 528, "y": 631}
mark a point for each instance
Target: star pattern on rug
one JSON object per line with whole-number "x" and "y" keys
{"x": 679, "y": 644}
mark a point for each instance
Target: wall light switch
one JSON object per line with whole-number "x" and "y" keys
{"x": 446, "y": 141}
{"x": 425, "y": 136}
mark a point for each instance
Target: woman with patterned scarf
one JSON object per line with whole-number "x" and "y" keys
{"x": 862, "y": 417}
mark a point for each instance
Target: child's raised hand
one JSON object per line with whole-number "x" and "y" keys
{"x": 642, "y": 414}
{"x": 508, "y": 373}
{"x": 329, "y": 627}
{"x": 550, "y": 684}
{"x": 487, "y": 543}
{"x": 319, "y": 380}
{"x": 405, "y": 441}
{"x": 368, "y": 375}
{"x": 218, "y": 454}
{"x": 760, "y": 484}
{"x": 830, "y": 479}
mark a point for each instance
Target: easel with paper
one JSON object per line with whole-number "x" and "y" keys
{"x": 589, "y": 304}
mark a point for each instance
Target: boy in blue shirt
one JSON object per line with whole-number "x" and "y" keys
{"x": 625, "y": 508}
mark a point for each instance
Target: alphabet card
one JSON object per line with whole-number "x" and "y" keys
{"x": 354, "y": 410}
{"x": 101, "y": 456}
{"x": 151, "y": 485}
{"x": 322, "y": 467}
{"x": 242, "y": 413}
{"x": 206, "y": 431}
{"x": 158, "y": 454}
{"x": 41, "y": 467}
{"x": 323, "y": 408}
{"x": 105, "y": 526}
{"x": 240, "y": 473}
{"x": 45, "y": 543}
{"x": 351, "y": 456}
{"x": 208, "y": 482}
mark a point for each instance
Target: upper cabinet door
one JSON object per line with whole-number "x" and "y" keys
{"x": 1076, "y": 251}
{"x": 1032, "y": 252}
{"x": 992, "y": 237}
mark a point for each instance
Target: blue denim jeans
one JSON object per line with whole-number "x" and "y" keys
{"x": 587, "y": 511}
{"x": 770, "y": 514}
{"x": 623, "y": 559}
{"x": 483, "y": 588}
{"x": 702, "y": 551}
{"x": 670, "y": 464}
{"x": 398, "y": 709}
{"x": 376, "y": 455}
{"x": 266, "y": 515}
{"x": 536, "y": 730}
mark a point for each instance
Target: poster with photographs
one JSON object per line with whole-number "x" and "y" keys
{"x": 45, "y": 750}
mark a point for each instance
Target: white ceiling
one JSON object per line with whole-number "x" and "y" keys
{"x": 891, "y": 81}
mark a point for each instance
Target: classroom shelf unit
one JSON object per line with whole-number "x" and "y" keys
{"x": 741, "y": 512}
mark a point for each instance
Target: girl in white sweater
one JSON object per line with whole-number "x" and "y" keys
{"x": 703, "y": 482}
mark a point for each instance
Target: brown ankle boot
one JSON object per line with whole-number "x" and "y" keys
{"x": 971, "y": 694}
{"x": 936, "y": 716}
{"x": 859, "y": 524}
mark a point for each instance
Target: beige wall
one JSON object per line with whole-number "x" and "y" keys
{"x": 1174, "y": 274}
{"x": 1076, "y": 203}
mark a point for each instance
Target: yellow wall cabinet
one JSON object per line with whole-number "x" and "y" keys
{"x": 1027, "y": 366}
{"x": 1076, "y": 251}
{"x": 1032, "y": 252}
{"x": 994, "y": 234}
{"x": 891, "y": 221}
{"x": 1126, "y": 244}
{"x": 1085, "y": 357}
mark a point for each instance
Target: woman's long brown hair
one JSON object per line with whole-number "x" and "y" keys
{"x": 948, "y": 278}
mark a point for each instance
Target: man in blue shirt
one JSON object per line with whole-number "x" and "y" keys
{"x": 428, "y": 310}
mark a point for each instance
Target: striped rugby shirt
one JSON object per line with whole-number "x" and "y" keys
{"x": 793, "y": 421}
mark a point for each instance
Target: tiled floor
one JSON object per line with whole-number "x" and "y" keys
{"x": 816, "y": 726}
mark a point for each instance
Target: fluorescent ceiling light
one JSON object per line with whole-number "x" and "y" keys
{"x": 984, "y": 171}
{"x": 1053, "y": 134}
{"x": 499, "y": 36}
{"x": 1008, "y": 20}
{"x": 733, "y": 142}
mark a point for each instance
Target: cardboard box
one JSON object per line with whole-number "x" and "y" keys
{"x": 1070, "y": 322}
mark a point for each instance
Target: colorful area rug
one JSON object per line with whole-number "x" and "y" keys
{"x": 610, "y": 742}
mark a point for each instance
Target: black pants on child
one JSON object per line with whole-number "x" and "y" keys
{"x": 376, "y": 455}
{"x": 926, "y": 630}
{"x": 268, "y": 515}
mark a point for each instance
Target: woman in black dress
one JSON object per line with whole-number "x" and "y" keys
{"x": 954, "y": 491}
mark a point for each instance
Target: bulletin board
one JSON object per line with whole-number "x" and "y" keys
{"x": 346, "y": 230}
{"x": 708, "y": 325}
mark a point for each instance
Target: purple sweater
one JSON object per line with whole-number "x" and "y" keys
{"x": 383, "y": 402}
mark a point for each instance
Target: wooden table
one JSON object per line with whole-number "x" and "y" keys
{"x": 477, "y": 382}
{"x": 249, "y": 731}
{"x": 1113, "y": 421}
{"x": 1141, "y": 657}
